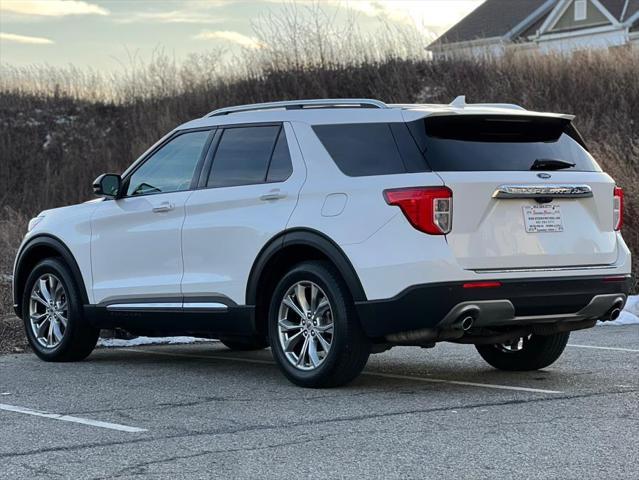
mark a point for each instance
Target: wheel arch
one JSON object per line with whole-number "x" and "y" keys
{"x": 287, "y": 249}
{"x": 36, "y": 249}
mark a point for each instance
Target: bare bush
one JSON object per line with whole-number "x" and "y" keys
{"x": 55, "y": 140}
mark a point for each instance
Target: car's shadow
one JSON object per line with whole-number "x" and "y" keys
{"x": 387, "y": 370}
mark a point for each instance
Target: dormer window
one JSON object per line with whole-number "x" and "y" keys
{"x": 581, "y": 11}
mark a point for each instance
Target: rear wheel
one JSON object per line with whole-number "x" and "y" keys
{"x": 52, "y": 314}
{"x": 245, "y": 344}
{"x": 525, "y": 353}
{"x": 314, "y": 331}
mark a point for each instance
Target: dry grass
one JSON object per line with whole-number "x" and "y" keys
{"x": 55, "y": 141}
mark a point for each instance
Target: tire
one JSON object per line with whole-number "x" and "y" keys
{"x": 78, "y": 338}
{"x": 245, "y": 344}
{"x": 336, "y": 326}
{"x": 536, "y": 352}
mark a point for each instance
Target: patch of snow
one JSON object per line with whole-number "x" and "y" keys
{"x": 135, "y": 342}
{"x": 6, "y": 278}
{"x": 629, "y": 315}
{"x": 30, "y": 122}
{"x": 47, "y": 141}
{"x": 64, "y": 119}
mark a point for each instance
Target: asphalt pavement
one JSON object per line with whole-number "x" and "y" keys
{"x": 202, "y": 411}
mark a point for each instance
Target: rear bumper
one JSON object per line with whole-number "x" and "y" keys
{"x": 516, "y": 302}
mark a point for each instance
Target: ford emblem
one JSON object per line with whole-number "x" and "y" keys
{"x": 545, "y": 176}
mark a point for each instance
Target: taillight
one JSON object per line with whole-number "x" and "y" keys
{"x": 617, "y": 208}
{"x": 428, "y": 209}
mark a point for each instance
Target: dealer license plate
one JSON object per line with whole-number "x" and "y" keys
{"x": 543, "y": 218}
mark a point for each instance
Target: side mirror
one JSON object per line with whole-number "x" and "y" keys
{"x": 107, "y": 185}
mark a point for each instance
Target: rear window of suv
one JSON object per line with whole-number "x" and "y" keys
{"x": 499, "y": 142}
{"x": 363, "y": 149}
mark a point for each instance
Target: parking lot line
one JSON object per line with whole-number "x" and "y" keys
{"x": 460, "y": 382}
{"x": 368, "y": 373}
{"x": 618, "y": 349}
{"x": 68, "y": 418}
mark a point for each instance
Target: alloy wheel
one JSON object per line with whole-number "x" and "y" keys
{"x": 305, "y": 325}
{"x": 48, "y": 310}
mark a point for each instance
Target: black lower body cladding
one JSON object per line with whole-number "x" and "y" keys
{"x": 428, "y": 305}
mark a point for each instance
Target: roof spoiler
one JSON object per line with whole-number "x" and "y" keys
{"x": 460, "y": 102}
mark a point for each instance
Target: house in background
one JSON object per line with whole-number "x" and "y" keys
{"x": 561, "y": 26}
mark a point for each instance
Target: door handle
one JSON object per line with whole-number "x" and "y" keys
{"x": 163, "y": 207}
{"x": 273, "y": 195}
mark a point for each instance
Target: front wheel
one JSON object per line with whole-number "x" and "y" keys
{"x": 52, "y": 313}
{"x": 532, "y": 352}
{"x": 314, "y": 331}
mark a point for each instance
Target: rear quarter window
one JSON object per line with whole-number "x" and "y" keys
{"x": 365, "y": 149}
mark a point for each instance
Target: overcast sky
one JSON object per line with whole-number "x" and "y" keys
{"x": 99, "y": 33}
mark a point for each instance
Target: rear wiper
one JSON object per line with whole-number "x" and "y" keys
{"x": 550, "y": 164}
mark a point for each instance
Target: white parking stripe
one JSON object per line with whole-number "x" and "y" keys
{"x": 68, "y": 418}
{"x": 459, "y": 382}
{"x": 369, "y": 373}
{"x": 618, "y": 349}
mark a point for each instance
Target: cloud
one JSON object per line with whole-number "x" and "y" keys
{"x": 173, "y": 16}
{"x": 229, "y": 36}
{"x": 12, "y": 37}
{"x": 52, "y": 8}
{"x": 437, "y": 15}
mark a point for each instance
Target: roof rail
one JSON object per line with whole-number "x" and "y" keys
{"x": 460, "y": 102}
{"x": 301, "y": 104}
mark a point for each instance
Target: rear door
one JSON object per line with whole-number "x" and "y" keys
{"x": 246, "y": 197}
{"x": 513, "y": 213}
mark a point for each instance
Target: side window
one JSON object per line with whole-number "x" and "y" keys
{"x": 364, "y": 149}
{"x": 243, "y": 156}
{"x": 171, "y": 168}
{"x": 280, "y": 167}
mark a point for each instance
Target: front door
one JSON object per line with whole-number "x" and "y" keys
{"x": 136, "y": 251}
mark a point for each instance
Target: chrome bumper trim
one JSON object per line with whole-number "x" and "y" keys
{"x": 489, "y": 313}
{"x": 548, "y": 269}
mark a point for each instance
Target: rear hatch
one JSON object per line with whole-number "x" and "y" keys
{"x": 526, "y": 192}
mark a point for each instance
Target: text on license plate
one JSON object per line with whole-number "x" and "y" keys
{"x": 542, "y": 218}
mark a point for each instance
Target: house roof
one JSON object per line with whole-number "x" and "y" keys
{"x": 497, "y": 18}
{"x": 536, "y": 25}
{"x": 632, "y": 9}
{"x": 493, "y": 18}
{"x": 615, "y": 7}
{"x": 622, "y": 10}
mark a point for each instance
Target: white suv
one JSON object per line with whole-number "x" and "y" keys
{"x": 332, "y": 229}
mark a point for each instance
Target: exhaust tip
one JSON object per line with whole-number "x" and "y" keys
{"x": 614, "y": 312}
{"x": 467, "y": 323}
